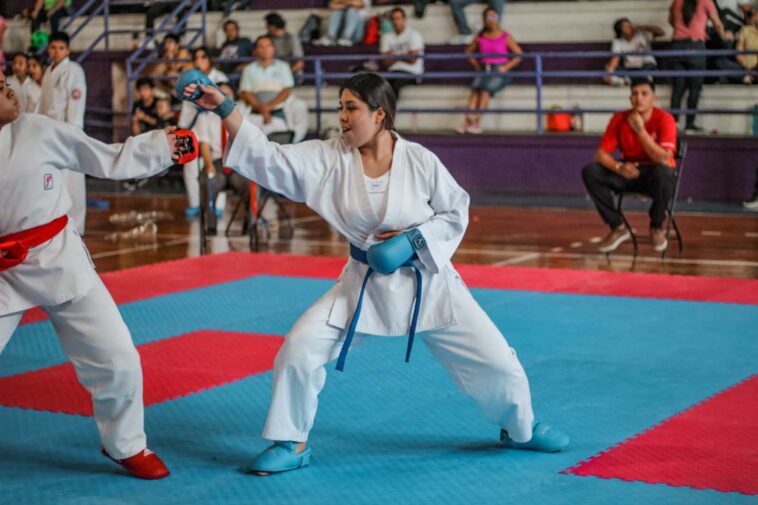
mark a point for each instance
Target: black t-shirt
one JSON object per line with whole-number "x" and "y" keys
{"x": 149, "y": 110}
{"x": 240, "y": 48}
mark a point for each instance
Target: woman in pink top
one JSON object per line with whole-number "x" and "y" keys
{"x": 689, "y": 17}
{"x": 490, "y": 40}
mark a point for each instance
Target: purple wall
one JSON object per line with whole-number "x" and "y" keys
{"x": 716, "y": 168}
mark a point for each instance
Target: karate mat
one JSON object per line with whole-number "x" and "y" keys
{"x": 653, "y": 376}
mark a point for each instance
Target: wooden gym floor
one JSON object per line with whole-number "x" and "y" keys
{"x": 721, "y": 245}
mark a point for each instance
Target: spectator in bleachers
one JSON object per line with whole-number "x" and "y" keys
{"x": 265, "y": 86}
{"x": 286, "y": 44}
{"x": 144, "y": 117}
{"x": 404, "y": 45}
{"x": 631, "y": 38}
{"x": 234, "y": 47}
{"x": 178, "y": 55}
{"x": 18, "y": 77}
{"x": 201, "y": 60}
{"x": 347, "y": 22}
{"x": 689, "y": 18}
{"x": 52, "y": 10}
{"x": 32, "y": 88}
{"x": 465, "y": 35}
{"x": 734, "y": 13}
{"x": 491, "y": 40}
{"x": 164, "y": 113}
{"x": 646, "y": 137}
{"x": 747, "y": 40}
{"x": 156, "y": 9}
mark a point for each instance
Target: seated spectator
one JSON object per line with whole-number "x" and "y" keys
{"x": 631, "y": 38}
{"x": 201, "y": 60}
{"x": 286, "y": 44}
{"x": 646, "y": 137}
{"x": 266, "y": 83}
{"x": 164, "y": 113}
{"x": 178, "y": 55}
{"x": 234, "y": 47}
{"x": 214, "y": 178}
{"x": 156, "y": 9}
{"x": 404, "y": 45}
{"x": 144, "y": 117}
{"x": 18, "y": 77}
{"x": 491, "y": 40}
{"x": 52, "y": 10}
{"x": 465, "y": 35}
{"x": 747, "y": 40}
{"x": 734, "y": 14}
{"x": 32, "y": 87}
{"x": 347, "y": 22}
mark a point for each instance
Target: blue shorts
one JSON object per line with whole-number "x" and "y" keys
{"x": 491, "y": 84}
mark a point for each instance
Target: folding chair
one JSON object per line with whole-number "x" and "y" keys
{"x": 256, "y": 210}
{"x": 681, "y": 154}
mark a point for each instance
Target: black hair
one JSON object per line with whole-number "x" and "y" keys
{"x": 376, "y": 92}
{"x": 617, "y": 26}
{"x": 484, "y": 18}
{"x": 60, "y": 37}
{"x": 171, "y": 36}
{"x": 275, "y": 20}
{"x": 203, "y": 49}
{"x": 639, "y": 81}
{"x": 397, "y": 9}
{"x": 261, "y": 37}
{"x": 144, "y": 81}
{"x": 232, "y": 22}
{"x": 22, "y": 54}
{"x": 35, "y": 57}
{"x": 688, "y": 10}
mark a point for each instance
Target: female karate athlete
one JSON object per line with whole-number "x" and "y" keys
{"x": 404, "y": 217}
{"x": 43, "y": 262}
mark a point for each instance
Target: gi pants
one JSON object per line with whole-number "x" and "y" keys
{"x": 474, "y": 353}
{"x": 96, "y": 340}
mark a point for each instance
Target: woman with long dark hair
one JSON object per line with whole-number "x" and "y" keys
{"x": 689, "y": 19}
{"x": 404, "y": 216}
{"x": 491, "y": 40}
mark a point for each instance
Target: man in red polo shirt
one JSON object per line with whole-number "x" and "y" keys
{"x": 646, "y": 137}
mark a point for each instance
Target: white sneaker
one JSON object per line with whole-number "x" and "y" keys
{"x": 345, "y": 42}
{"x": 461, "y": 128}
{"x": 751, "y": 205}
{"x": 461, "y": 40}
{"x": 474, "y": 129}
{"x": 325, "y": 41}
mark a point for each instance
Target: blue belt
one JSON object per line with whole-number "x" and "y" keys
{"x": 360, "y": 255}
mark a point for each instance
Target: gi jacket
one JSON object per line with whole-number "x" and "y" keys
{"x": 328, "y": 176}
{"x": 33, "y": 151}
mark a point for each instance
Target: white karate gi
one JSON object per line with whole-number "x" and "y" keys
{"x": 59, "y": 275}
{"x": 64, "y": 97}
{"x": 32, "y": 92}
{"x": 328, "y": 177}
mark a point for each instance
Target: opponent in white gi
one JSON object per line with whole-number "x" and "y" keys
{"x": 371, "y": 185}
{"x": 43, "y": 262}
{"x": 64, "y": 97}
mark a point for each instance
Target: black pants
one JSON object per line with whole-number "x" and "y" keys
{"x": 55, "y": 19}
{"x": 210, "y": 188}
{"x": 694, "y": 84}
{"x": 655, "y": 181}
{"x": 403, "y": 79}
{"x": 158, "y": 9}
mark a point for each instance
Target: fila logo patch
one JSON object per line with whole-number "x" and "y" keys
{"x": 48, "y": 181}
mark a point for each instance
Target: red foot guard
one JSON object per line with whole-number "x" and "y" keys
{"x": 145, "y": 465}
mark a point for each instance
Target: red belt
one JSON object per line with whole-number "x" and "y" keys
{"x": 14, "y": 248}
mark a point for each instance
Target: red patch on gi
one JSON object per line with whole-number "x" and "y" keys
{"x": 76, "y": 94}
{"x": 172, "y": 368}
{"x": 48, "y": 180}
{"x": 713, "y": 445}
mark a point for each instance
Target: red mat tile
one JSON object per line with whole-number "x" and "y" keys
{"x": 713, "y": 445}
{"x": 192, "y": 273}
{"x": 172, "y": 368}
